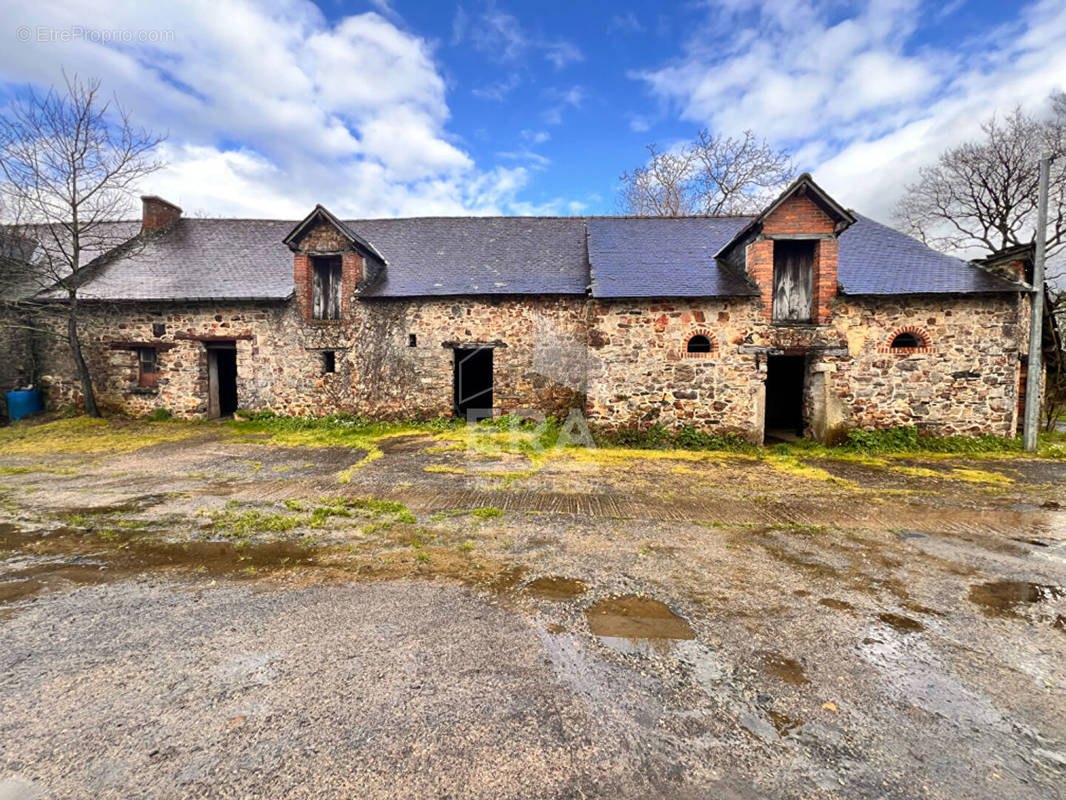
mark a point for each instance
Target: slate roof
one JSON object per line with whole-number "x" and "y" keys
{"x": 478, "y": 255}
{"x": 199, "y": 259}
{"x": 663, "y": 257}
{"x": 226, "y": 259}
{"x": 875, "y": 259}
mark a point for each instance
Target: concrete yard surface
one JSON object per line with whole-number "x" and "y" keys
{"x": 201, "y": 610}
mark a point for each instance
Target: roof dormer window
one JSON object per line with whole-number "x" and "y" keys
{"x": 326, "y": 282}
{"x": 793, "y": 281}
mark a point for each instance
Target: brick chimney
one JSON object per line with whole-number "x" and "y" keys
{"x": 157, "y": 213}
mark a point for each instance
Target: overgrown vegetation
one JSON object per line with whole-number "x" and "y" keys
{"x": 909, "y": 440}
{"x": 657, "y": 437}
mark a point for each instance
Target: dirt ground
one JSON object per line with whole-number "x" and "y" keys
{"x": 188, "y": 612}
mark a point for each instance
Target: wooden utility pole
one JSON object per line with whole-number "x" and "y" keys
{"x": 1036, "y": 320}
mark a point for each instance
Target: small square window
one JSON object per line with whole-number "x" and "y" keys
{"x": 148, "y": 366}
{"x": 412, "y": 340}
{"x": 329, "y": 362}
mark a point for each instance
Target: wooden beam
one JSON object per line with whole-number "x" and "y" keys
{"x": 142, "y": 345}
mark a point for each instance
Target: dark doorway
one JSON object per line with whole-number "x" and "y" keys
{"x": 473, "y": 383}
{"x": 221, "y": 380}
{"x": 784, "y": 397}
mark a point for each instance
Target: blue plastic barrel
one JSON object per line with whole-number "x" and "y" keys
{"x": 21, "y": 404}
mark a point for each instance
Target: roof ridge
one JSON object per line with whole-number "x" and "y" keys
{"x": 582, "y": 218}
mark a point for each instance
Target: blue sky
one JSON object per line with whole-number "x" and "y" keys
{"x": 395, "y": 107}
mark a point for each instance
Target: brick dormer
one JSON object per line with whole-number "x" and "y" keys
{"x": 330, "y": 265}
{"x": 790, "y": 252}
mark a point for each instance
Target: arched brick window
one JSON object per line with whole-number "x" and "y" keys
{"x": 905, "y": 340}
{"x": 908, "y": 340}
{"x": 699, "y": 345}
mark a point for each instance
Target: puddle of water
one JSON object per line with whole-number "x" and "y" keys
{"x": 914, "y": 674}
{"x": 783, "y": 668}
{"x": 1003, "y": 598}
{"x": 784, "y": 724}
{"x": 128, "y": 555}
{"x": 910, "y": 535}
{"x": 553, "y": 587}
{"x": 901, "y": 623}
{"x": 839, "y": 605}
{"x": 636, "y": 624}
{"x": 506, "y": 579}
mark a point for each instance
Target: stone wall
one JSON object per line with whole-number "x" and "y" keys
{"x": 17, "y": 366}
{"x": 539, "y": 349}
{"x": 965, "y": 381}
{"x": 640, "y": 373}
{"x": 625, "y": 361}
{"x": 109, "y": 335}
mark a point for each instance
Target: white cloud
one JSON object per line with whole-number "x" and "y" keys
{"x": 625, "y": 23}
{"x": 861, "y": 107}
{"x": 270, "y": 108}
{"x": 536, "y": 137}
{"x": 498, "y": 90}
{"x": 562, "y": 53}
{"x": 502, "y": 38}
{"x": 562, "y": 99}
{"x": 535, "y": 160}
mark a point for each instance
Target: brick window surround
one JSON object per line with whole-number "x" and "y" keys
{"x": 798, "y": 218}
{"x": 352, "y": 270}
{"x": 699, "y": 332}
{"x": 918, "y": 333}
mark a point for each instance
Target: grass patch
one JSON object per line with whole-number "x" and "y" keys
{"x": 909, "y": 440}
{"x": 233, "y": 523}
{"x": 89, "y": 436}
{"x": 384, "y": 512}
{"x": 793, "y": 466}
{"x": 487, "y": 512}
{"x": 336, "y": 430}
{"x": 979, "y": 476}
{"x": 37, "y": 468}
{"x": 657, "y": 437}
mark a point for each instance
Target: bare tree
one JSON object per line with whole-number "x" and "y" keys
{"x": 983, "y": 194}
{"x": 711, "y": 175}
{"x": 69, "y": 165}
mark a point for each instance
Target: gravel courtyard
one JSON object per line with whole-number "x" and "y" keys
{"x": 201, "y": 611}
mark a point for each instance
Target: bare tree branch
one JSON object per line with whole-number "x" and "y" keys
{"x": 983, "y": 194}
{"x": 69, "y": 166}
{"x": 711, "y": 175}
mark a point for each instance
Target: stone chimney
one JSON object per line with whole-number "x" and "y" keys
{"x": 157, "y": 213}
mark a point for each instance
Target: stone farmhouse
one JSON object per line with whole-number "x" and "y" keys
{"x": 806, "y": 318}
